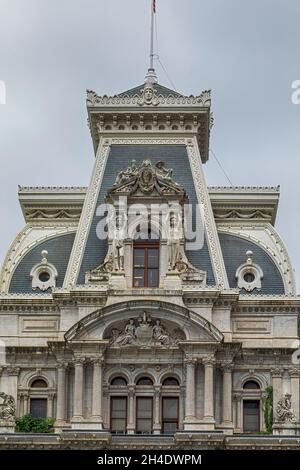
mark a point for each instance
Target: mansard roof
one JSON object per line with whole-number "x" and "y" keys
{"x": 161, "y": 90}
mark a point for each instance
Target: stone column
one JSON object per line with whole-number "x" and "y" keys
{"x": 78, "y": 389}
{"x": 97, "y": 390}
{"x": 61, "y": 393}
{"x": 131, "y": 423}
{"x": 294, "y": 375}
{"x": 238, "y": 401}
{"x": 227, "y": 395}
{"x": 277, "y": 387}
{"x": 25, "y": 404}
{"x": 21, "y": 404}
{"x": 157, "y": 422}
{"x": 51, "y": 396}
{"x": 13, "y": 374}
{"x": 209, "y": 363}
{"x": 190, "y": 392}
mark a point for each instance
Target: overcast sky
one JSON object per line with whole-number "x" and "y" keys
{"x": 246, "y": 51}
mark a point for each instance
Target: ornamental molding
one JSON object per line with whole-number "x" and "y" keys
{"x": 139, "y": 99}
{"x": 239, "y": 189}
{"x": 50, "y": 213}
{"x": 210, "y": 226}
{"x": 21, "y": 246}
{"x": 138, "y": 305}
{"x": 52, "y": 189}
{"x": 272, "y": 245}
{"x": 242, "y": 213}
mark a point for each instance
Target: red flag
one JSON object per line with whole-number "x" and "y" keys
{"x": 154, "y": 6}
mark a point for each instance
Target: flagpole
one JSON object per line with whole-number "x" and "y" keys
{"x": 152, "y": 37}
{"x": 151, "y": 76}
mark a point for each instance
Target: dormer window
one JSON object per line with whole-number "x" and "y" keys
{"x": 249, "y": 275}
{"x": 44, "y": 274}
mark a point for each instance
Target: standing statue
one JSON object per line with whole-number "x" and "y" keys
{"x": 284, "y": 412}
{"x": 117, "y": 236}
{"x": 173, "y": 243}
{"x": 7, "y": 407}
{"x": 118, "y": 254}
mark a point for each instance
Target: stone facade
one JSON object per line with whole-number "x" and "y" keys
{"x": 201, "y": 341}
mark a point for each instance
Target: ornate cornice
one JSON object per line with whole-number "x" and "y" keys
{"x": 202, "y": 100}
{"x": 243, "y": 189}
{"x": 52, "y": 189}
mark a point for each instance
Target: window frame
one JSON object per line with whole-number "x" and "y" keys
{"x": 112, "y": 399}
{"x": 138, "y": 398}
{"x": 145, "y": 245}
{"x": 169, "y": 420}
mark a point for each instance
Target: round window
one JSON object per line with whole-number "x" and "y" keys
{"x": 44, "y": 276}
{"x": 249, "y": 277}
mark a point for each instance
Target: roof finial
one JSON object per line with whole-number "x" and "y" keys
{"x": 151, "y": 76}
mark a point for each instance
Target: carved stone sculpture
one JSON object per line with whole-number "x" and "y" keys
{"x": 146, "y": 178}
{"x": 145, "y": 331}
{"x": 7, "y": 407}
{"x": 128, "y": 336}
{"x": 284, "y": 412}
{"x": 149, "y": 96}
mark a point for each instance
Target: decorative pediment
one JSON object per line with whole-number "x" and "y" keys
{"x": 145, "y": 331}
{"x": 146, "y": 179}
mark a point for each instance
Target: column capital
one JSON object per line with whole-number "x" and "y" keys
{"x": 131, "y": 390}
{"x": 51, "y": 395}
{"x": 294, "y": 373}
{"x": 79, "y": 361}
{"x": 277, "y": 373}
{"x": 209, "y": 360}
{"x": 97, "y": 360}
{"x": 227, "y": 367}
{"x": 13, "y": 371}
{"x": 62, "y": 364}
{"x": 190, "y": 360}
{"x": 237, "y": 396}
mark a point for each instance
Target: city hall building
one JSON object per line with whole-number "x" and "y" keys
{"x": 149, "y": 305}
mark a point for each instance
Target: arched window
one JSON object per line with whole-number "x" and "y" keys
{"x": 120, "y": 381}
{"x": 39, "y": 383}
{"x": 144, "y": 381}
{"x": 251, "y": 385}
{"x": 171, "y": 381}
{"x": 38, "y": 398}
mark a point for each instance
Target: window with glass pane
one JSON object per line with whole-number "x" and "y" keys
{"x": 170, "y": 407}
{"x": 38, "y": 407}
{"x": 118, "y": 415}
{"x": 144, "y": 415}
{"x": 146, "y": 265}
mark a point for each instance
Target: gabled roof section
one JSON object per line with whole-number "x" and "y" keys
{"x": 160, "y": 89}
